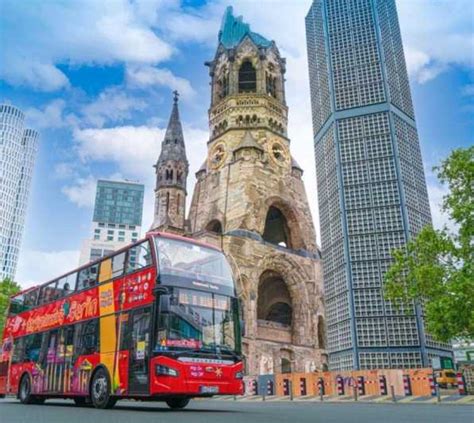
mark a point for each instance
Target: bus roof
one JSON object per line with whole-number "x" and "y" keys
{"x": 150, "y": 234}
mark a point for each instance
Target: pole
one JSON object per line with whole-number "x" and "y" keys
{"x": 321, "y": 394}
{"x": 355, "y": 392}
{"x": 438, "y": 393}
{"x": 291, "y": 390}
{"x": 392, "y": 390}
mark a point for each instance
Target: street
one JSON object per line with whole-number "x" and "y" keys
{"x": 209, "y": 411}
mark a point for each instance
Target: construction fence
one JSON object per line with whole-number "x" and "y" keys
{"x": 399, "y": 382}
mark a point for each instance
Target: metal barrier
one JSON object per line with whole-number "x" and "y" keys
{"x": 383, "y": 385}
{"x": 461, "y": 384}
{"x": 407, "y": 385}
{"x": 360, "y": 385}
{"x": 432, "y": 383}
{"x": 270, "y": 387}
{"x": 303, "y": 390}
{"x": 320, "y": 385}
{"x": 340, "y": 385}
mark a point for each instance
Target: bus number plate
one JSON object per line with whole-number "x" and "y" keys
{"x": 209, "y": 389}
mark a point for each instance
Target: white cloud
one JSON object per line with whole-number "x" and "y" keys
{"x": 50, "y": 116}
{"x": 76, "y": 33}
{"x": 81, "y": 192}
{"x": 36, "y": 267}
{"x": 437, "y": 35}
{"x": 113, "y": 104}
{"x": 147, "y": 76}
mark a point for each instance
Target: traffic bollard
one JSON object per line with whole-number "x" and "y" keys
{"x": 392, "y": 390}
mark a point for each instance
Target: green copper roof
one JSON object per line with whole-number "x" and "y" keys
{"x": 233, "y": 30}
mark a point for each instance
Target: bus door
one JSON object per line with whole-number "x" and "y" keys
{"x": 49, "y": 361}
{"x": 139, "y": 336}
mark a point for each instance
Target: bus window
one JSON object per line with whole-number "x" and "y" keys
{"x": 66, "y": 284}
{"x": 33, "y": 347}
{"x": 88, "y": 340}
{"x": 18, "y": 350}
{"x": 48, "y": 293}
{"x": 118, "y": 264}
{"x": 139, "y": 257}
{"x": 17, "y": 305}
{"x": 31, "y": 297}
{"x": 88, "y": 277}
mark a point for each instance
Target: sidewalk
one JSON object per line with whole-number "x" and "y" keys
{"x": 445, "y": 399}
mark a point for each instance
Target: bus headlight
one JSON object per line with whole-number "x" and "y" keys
{"x": 161, "y": 370}
{"x": 239, "y": 375}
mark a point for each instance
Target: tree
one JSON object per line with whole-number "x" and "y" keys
{"x": 436, "y": 268}
{"x": 7, "y": 289}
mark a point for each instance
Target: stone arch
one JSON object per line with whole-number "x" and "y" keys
{"x": 215, "y": 226}
{"x": 295, "y": 277}
{"x": 286, "y": 359}
{"x": 294, "y": 234}
{"x": 274, "y": 302}
{"x": 276, "y": 228}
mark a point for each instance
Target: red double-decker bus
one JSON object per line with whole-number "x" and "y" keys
{"x": 158, "y": 320}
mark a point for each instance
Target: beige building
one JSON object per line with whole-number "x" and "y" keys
{"x": 250, "y": 200}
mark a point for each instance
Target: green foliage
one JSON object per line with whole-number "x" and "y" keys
{"x": 7, "y": 289}
{"x": 436, "y": 267}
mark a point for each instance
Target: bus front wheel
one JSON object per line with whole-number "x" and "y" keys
{"x": 177, "y": 403}
{"x": 24, "y": 392}
{"x": 100, "y": 390}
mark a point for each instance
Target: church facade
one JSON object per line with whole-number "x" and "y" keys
{"x": 250, "y": 200}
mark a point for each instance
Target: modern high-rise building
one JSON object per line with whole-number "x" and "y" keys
{"x": 371, "y": 184}
{"x": 117, "y": 218}
{"x": 18, "y": 148}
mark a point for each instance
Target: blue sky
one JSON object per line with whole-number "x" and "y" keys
{"x": 95, "y": 78}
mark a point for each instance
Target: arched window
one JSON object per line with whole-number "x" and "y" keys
{"x": 224, "y": 86}
{"x": 274, "y": 301}
{"x": 321, "y": 333}
{"x": 167, "y": 202}
{"x": 276, "y": 228}
{"x": 285, "y": 365}
{"x": 214, "y": 226}
{"x": 270, "y": 84}
{"x": 169, "y": 174}
{"x": 280, "y": 312}
{"x": 247, "y": 78}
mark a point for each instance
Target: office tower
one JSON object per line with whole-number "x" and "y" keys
{"x": 371, "y": 184}
{"x": 117, "y": 218}
{"x": 18, "y": 148}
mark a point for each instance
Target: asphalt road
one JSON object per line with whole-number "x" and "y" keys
{"x": 62, "y": 411}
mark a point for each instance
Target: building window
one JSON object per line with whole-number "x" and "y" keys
{"x": 101, "y": 225}
{"x": 247, "y": 78}
{"x": 110, "y": 238}
{"x": 110, "y": 232}
{"x": 96, "y": 237}
{"x": 97, "y": 231}
{"x": 121, "y": 239}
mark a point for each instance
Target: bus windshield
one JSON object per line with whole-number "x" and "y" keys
{"x": 181, "y": 260}
{"x": 196, "y": 320}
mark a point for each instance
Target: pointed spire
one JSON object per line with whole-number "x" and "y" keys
{"x": 174, "y": 132}
{"x": 173, "y": 148}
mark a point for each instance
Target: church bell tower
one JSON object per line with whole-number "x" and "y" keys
{"x": 171, "y": 176}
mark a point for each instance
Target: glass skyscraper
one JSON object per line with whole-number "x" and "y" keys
{"x": 117, "y": 218}
{"x": 371, "y": 184}
{"x": 18, "y": 147}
